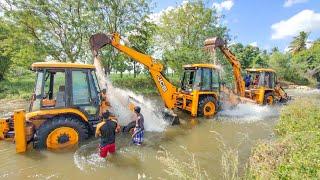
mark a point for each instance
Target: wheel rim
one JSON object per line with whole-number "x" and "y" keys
{"x": 269, "y": 100}
{"x": 209, "y": 109}
{"x": 62, "y": 137}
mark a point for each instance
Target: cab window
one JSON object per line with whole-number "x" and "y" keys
{"x": 80, "y": 88}
{"x": 206, "y": 79}
{"x": 215, "y": 80}
{"x": 53, "y": 94}
{"x": 188, "y": 79}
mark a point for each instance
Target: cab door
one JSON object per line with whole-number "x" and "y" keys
{"x": 84, "y": 92}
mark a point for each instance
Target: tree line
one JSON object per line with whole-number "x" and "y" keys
{"x": 37, "y": 30}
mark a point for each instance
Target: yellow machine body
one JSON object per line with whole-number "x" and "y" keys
{"x": 63, "y": 122}
{"x": 263, "y": 92}
{"x": 172, "y": 96}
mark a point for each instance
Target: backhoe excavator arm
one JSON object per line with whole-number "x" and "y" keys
{"x": 215, "y": 42}
{"x": 165, "y": 88}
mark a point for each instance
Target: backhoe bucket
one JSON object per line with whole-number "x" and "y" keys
{"x": 211, "y": 43}
{"x": 99, "y": 40}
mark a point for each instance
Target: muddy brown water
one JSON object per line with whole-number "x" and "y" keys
{"x": 171, "y": 151}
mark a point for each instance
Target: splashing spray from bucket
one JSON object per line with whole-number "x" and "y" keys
{"x": 120, "y": 99}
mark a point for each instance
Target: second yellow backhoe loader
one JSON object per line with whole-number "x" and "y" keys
{"x": 260, "y": 85}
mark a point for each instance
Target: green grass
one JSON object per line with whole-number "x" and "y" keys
{"x": 17, "y": 86}
{"x": 142, "y": 84}
{"x": 295, "y": 154}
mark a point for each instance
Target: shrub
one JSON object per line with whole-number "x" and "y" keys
{"x": 295, "y": 154}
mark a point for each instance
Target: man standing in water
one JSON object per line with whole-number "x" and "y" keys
{"x": 106, "y": 130}
{"x": 139, "y": 129}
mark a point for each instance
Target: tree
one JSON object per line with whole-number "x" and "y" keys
{"x": 141, "y": 39}
{"x": 120, "y": 64}
{"x": 249, "y": 56}
{"x": 274, "y": 49}
{"x": 18, "y": 50}
{"x": 299, "y": 42}
{"x": 183, "y": 30}
{"x": 308, "y": 61}
{"x": 57, "y": 25}
{"x": 117, "y": 16}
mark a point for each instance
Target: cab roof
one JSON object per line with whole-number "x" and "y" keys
{"x": 42, "y": 65}
{"x": 201, "y": 66}
{"x": 260, "y": 70}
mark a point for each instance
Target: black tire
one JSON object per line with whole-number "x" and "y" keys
{"x": 60, "y": 121}
{"x": 203, "y": 101}
{"x": 266, "y": 96}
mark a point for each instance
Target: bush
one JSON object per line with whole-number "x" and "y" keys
{"x": 17, "y": 86}
{"x": 302, "y": 115}
{"x": 295, "y": 154}
{"x": 142, "y": 84}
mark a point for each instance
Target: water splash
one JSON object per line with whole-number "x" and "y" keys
{"x": 119, "y": 100}
{"x": 249, "y": 112}
{"x": 86, "y": 158}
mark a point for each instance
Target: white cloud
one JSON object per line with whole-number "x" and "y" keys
{"x": 289, "y": 3}
{"x": 155, "y": 17}
{"x": 224, "y": 5}
{"x": 309, "y": 43}
{"x": 286, "y": 49}
{"x": 254, "y": 44}
{"x": 306, "y": 20}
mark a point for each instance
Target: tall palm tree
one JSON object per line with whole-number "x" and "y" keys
{"x": 299, "y": 42}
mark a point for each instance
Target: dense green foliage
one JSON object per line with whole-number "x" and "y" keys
{"x": 295, "y": 152}
{"x": 60, "y": 30}
{"x": 17, "y": 87}
{"x": 183, "y": 31}
{"x": 142, "y": 84}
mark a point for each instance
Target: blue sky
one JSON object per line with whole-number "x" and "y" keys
{"x": 266, "y": 23}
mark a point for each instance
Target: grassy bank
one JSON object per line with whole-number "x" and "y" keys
{"x": 142, "y": 84}
{"x": 17, "y": 86}
{"x": 295, "y": 154}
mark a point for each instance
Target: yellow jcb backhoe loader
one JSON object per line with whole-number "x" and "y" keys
{"x": 260, "y": 85}
{"x": 64, "y": 108}
{"x": 200, "y": 85}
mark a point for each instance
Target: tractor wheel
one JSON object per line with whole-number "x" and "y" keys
{"x": 268, "y": 99}
{"x": 61, "y": 132}
{"x": 207, "y": 106}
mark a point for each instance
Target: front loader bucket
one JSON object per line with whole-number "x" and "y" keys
{"x": 214, "y": 42}
{"x": 99, "y": 40}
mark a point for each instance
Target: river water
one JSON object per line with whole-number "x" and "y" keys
{"x": 196, "y": 149}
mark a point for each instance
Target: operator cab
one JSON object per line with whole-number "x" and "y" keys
{"x": 65, "y": 85}
{"x": 256, "y": 78}
{"x": 200, "y": 77}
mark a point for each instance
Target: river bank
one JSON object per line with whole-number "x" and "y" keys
{"x": 295, "y": 152}
{"x": 200, "y": 148}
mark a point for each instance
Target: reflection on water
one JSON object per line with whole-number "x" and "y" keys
{"x": 202, "y": 143}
